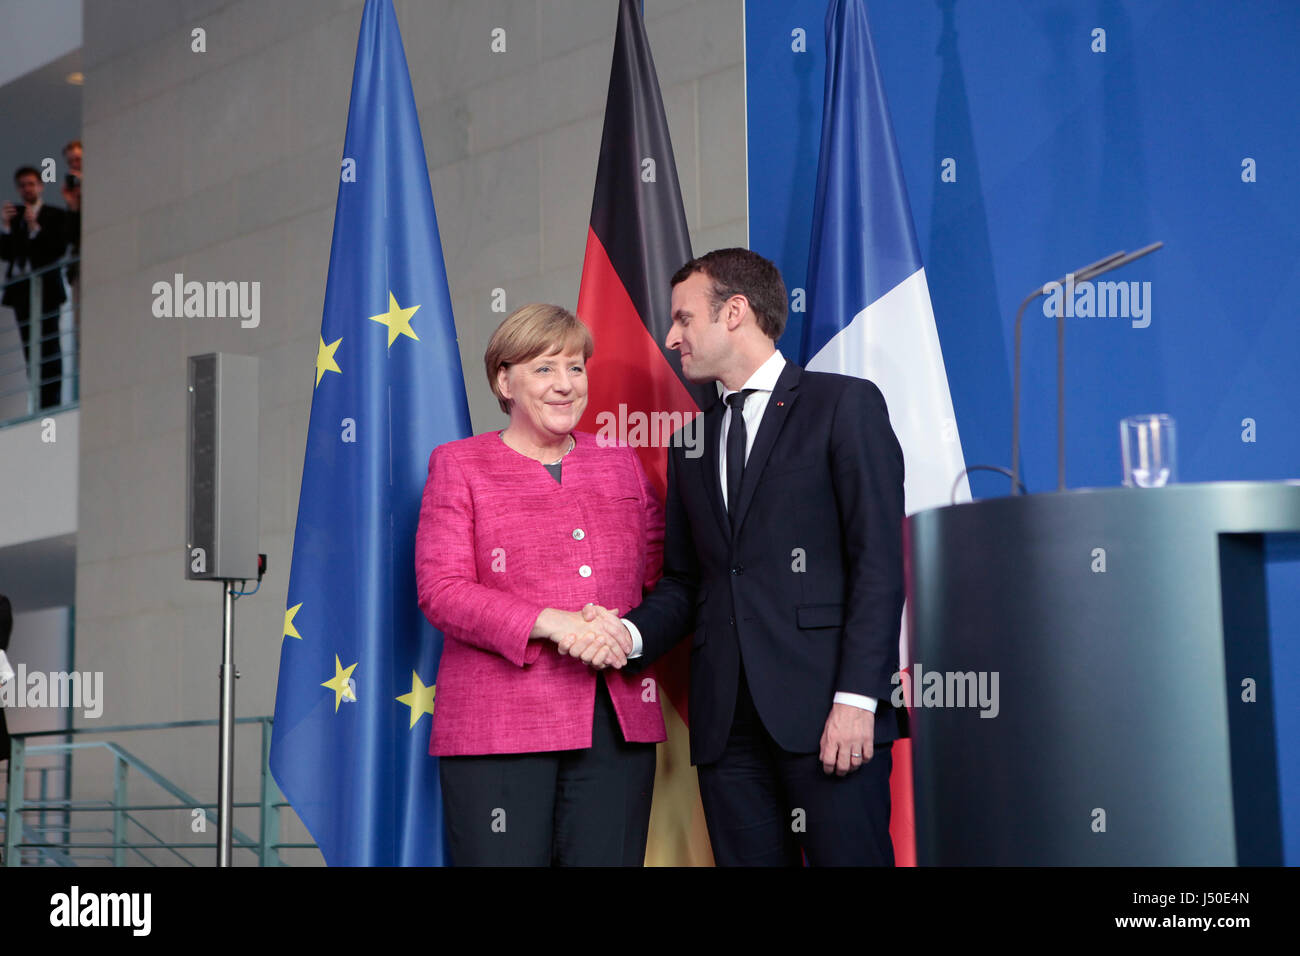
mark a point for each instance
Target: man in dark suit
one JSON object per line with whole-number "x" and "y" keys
{"x": 783, "y": 552}
{"x": 32, "y": 236}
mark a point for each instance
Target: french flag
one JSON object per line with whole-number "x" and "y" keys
{"x": 869, "y": 312}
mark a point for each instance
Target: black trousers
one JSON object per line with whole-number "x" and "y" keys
{"x": 765, "y": 806}
{"x": 558, "y": 808}
{"x": 50, "y": 374}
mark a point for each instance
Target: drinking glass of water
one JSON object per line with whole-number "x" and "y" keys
{"x": 1147, "y": 443}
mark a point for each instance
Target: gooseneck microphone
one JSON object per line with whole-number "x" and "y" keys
{"x": 1113, "y": 261}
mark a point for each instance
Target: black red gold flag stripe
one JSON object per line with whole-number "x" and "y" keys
{"x": 636, "y": 241}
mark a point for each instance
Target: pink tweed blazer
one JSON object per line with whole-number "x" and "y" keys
{"x": 499, "y": 540}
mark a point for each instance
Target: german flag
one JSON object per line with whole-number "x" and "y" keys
{"x": 636, "y": 241}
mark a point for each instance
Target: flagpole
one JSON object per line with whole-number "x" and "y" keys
{"x": 225, "y": 783}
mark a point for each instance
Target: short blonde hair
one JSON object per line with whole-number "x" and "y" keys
{"x": 529, "y": 331}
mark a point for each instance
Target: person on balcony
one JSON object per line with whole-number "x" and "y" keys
{"x": 32, "y": 236}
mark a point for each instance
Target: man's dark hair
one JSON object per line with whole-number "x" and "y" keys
{"x": 22, "y": 171}
{"x": 742, "y": 272}
{"x": 70, "y": 144}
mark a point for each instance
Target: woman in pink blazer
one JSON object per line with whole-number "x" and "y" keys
{"x": 545, "y": 758}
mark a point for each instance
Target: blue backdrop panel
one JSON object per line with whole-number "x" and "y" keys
{"x": 1064, "y": 152}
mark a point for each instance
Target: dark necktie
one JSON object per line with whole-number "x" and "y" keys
{"x": 736, "y": 440}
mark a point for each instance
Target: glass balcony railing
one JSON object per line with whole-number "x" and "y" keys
{"x": 121, "y": 828}
{"x": 40, "y": 366}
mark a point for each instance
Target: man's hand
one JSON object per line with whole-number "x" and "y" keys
{"x": 8, "y": 212}
{"x": 72, "y": 196}
{"x": 848, "y": 740}
{"x": 29, "y": 213}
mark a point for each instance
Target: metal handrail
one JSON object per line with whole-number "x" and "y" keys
{"x": 128, "y": 728}
{"x": 58, "y": 264}
{"x": 20, "y": 836}
{"x": 53, "y": 266}
{"x": 35, "y": 338}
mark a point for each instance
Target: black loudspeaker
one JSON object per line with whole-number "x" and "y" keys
{"x": 221, "y": 474}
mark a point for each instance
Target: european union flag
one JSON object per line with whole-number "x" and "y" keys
{"x": 358, "y": 663}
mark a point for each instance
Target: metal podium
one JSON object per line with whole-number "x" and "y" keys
{"x": 1125, "y": 626}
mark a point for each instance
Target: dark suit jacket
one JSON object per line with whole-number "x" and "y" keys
{"x": 18, "y": 248}
{"x": 809, "y": 588}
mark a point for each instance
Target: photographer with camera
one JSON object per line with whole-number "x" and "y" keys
{"x": 34, "y": 235}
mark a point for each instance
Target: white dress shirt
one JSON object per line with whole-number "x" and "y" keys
{"x": 763, "y": 382}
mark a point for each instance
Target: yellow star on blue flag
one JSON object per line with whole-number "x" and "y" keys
{"x": 397, "y": 319}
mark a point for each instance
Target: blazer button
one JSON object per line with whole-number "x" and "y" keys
{"x": 578, "y": 534}
{"x": 585, "y": 571}
{"x": 738, "y": 569}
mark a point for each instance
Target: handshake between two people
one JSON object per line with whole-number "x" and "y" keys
{"x": 594, "y": 635}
